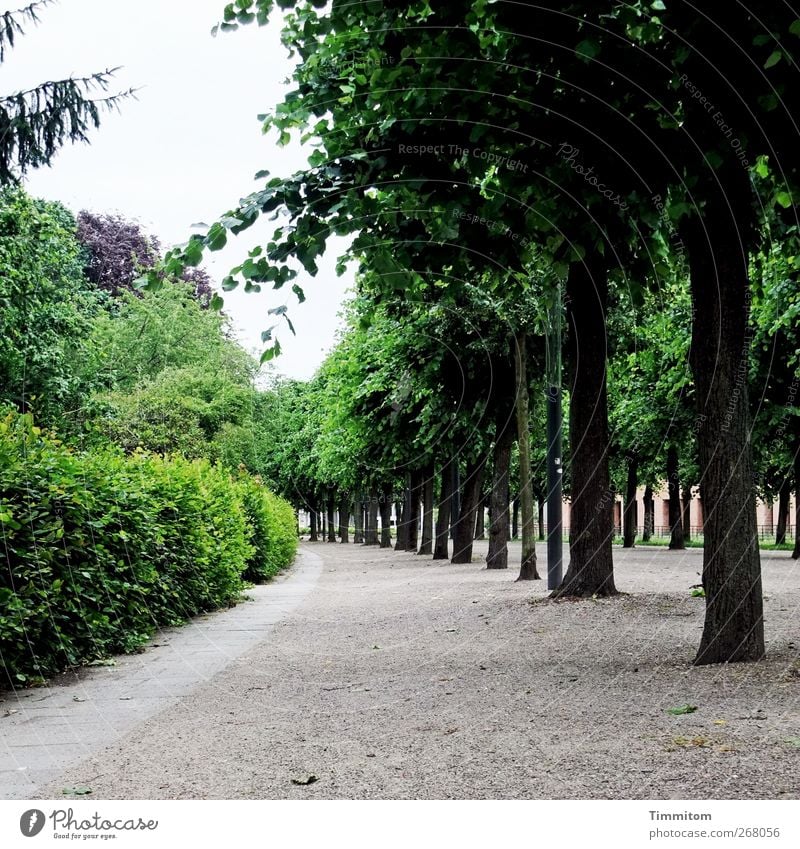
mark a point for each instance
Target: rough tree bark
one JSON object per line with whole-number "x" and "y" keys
{"x": 591, "y": 565}
{"x": 426, "y": 542}
{"x": 674, "y": 489}
{"x": 649, "y": 525}
{"x": 515, "y": 519}
{"x": 630, "y": 517}
{"x": 465, "y": 525}
{"x": 527, "y": 568}
{"x": 540, "y": 504}
{"x": 440, "y": 551}
{"x": 718, "y": 260}
{"x": 497, "y": 557}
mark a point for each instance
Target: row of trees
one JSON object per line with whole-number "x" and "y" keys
{"x": 400, "y": 412}
{"x": 508, "y": 147}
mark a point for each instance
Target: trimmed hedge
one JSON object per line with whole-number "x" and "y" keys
{"x": 102, "y": 548}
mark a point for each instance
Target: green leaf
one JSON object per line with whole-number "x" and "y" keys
{"x": 587, "y": 49}
{"x": 216, "y": 302}
{"x": 217, "y": 238}
{"x": 683, "y": 709}
{"x": 773, "y": 59}
{"x": 783, "y": 199}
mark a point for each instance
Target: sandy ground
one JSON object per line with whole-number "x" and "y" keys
{"x": 398, "y": 677}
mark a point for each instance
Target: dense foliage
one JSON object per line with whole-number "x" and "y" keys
{"x": 611, "y": 147}
{"x": 129, "y": 497}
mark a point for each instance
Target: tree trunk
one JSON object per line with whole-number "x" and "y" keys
{"x": 358, "y": 520}
{"x": 415, "y": 493}
{"x": 312, "y": 518}
{"x": 386, "y": 517}
{"x": 515, "y": 519}
{"x": 649, "y": 526}
{"x": 591, "y": 565}
{"x": 630, "y": 517}
{"x": 401, "y": 540}
{"x": 734, "y": 624}
{"x": 796, "y": 551}
{"x": 497, "y": 557}
{"x": 465, "y": 526}
{"x": 674, "y": 489}
{"x": 426, "y": 543}
{"x": 371, "y": 534}
{"x": 455, "y": 506}
{"x": 686, "y": 512}
{"x": 540, "y": 503}
{"x": 480, "y": 518}
{"x": 440, "y": 551}
{"x": 344, "y": 519}
{"x": 331, "y": 507}
{"x": 527, "y": 568}
{"x": 784, "y": 494}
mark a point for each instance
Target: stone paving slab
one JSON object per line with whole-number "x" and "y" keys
{"x": 45, "y": 729}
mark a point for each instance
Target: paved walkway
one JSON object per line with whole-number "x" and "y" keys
{"x": 368, "y": 673}
{"x": 45, "y": 730}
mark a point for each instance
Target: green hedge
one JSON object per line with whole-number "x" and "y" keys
{"x": 102, "y": 548}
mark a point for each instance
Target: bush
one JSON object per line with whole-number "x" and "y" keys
{"x": 274, "y": 530}
{"x": 102, "y": 548}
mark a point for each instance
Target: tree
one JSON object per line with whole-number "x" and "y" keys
{"x": 118, "y": 251}
{"x": 36, "y": 123}
{"x": 650, "y": 137}
{"x": 46, "y": 307}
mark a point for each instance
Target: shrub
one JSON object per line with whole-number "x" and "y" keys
{"x": 274, "y": 530}
{"x": 102, "y": 548}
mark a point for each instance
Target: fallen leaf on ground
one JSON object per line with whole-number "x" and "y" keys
{"x": 80, "y": 790}
{"x": 305, "y": 781}
{"x": 682, "y": 709}
{"x": 692, "y": 742}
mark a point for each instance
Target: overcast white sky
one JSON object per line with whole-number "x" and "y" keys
{"x": 188, "y": 148}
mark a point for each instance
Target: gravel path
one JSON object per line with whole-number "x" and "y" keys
{"x": 397, "y": 677}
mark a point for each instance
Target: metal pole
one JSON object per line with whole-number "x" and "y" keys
{"x": 554, "y": 459}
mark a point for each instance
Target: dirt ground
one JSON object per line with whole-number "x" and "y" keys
{"x": 398, "y": 677}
